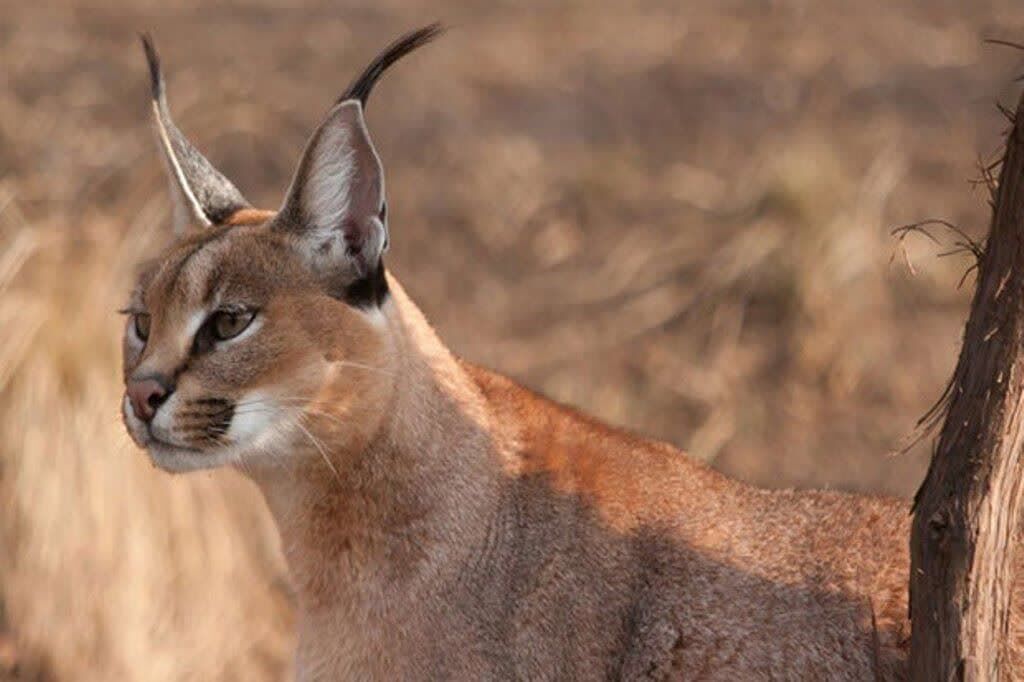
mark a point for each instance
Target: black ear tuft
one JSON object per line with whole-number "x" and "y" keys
{"x": 361, "y": 87}
{"x": 202, "y": 196}
{"x": 335, "y": 210}
{"x": 156, "y": 76}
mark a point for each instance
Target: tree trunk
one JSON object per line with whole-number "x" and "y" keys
{"x": 965, "y": 520}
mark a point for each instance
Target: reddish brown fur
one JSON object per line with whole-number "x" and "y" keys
{"x": 249, "y": 216}
{"x": 632, "y": 484}
{"x": 442, "y": 522}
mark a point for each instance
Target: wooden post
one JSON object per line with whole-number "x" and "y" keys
{"x": 965, "y": 516}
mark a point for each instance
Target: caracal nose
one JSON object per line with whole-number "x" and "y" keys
{"x": 146, "y": 396}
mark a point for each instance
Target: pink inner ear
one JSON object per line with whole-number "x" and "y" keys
{"x": 336, "y": 196}
{"x": 354, "y": 235}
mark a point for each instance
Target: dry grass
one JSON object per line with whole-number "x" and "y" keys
{"x": 110, "y": 570}
{"x": 678, "y": 220}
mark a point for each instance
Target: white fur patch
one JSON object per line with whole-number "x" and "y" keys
{"x": 328, "y": 187}
{"x": 162, "y": 424}
{"x": 194, "y": 322}
{"x": 254, "y": 414}
{"x": 376, "y": 317}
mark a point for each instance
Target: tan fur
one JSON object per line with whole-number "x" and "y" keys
{"x": 441, "y": 521}
{"x": 516, "y": 538}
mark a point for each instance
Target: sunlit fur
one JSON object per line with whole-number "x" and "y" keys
{"x": 442, "y": 522}
{"x": 271, "y": 377}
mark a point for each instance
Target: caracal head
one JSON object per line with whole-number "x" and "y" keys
{"x": 257, "y": 336}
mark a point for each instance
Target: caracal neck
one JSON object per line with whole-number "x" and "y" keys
{"x": 402, "y": 508}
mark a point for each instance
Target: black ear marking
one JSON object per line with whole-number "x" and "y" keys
{"x": 366, "y": 292}
{"x": 156, "y": 76}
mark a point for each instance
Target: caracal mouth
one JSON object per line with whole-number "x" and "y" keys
{"x": 169, "y": 456}
{"x": 178, "y": 459}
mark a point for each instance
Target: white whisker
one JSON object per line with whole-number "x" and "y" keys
{"x": 319, "y": 447}
{"x": 369, "y": 368}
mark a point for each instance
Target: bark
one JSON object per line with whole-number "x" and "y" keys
{"x": 966, "y": 511}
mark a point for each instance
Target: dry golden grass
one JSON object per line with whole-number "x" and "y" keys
{"x": 675, "y": 218}
{"x": 109, "y": 569}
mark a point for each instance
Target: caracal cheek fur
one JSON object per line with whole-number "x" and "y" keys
{"x": 439, "y": 520}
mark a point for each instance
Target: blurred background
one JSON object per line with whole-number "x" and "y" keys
{"x": 674, "y": 215}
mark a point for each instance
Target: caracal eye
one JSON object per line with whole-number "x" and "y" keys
{"x": 229, "y": 324}
{"x": 141, "y": 323}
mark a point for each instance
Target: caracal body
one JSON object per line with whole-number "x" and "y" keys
{"x": 439, "y": 520}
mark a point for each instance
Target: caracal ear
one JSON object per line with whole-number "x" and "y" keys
{"x": 201, "y": 195}
{"x": 335, "y": 205}
{"x": 335, "y": 208}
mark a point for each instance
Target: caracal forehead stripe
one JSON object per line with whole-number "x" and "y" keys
{"x": 187, "y": 276}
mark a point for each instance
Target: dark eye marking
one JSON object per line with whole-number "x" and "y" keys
{"x": 222, "y": 325}
{"x": 141, "y": 321}
{"x": 227, "y": 324}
